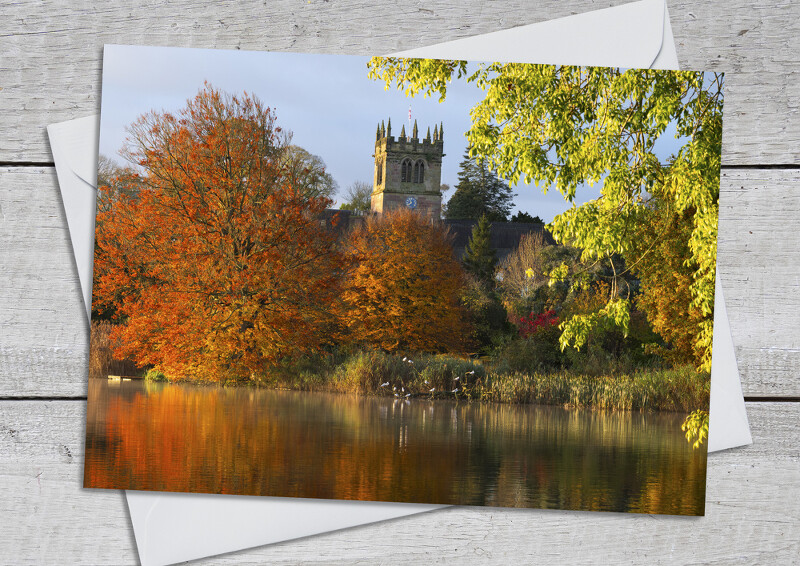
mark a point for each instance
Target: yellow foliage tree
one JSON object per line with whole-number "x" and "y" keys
{"x": 665, "y": 268}
{"x": 403, "y": 291}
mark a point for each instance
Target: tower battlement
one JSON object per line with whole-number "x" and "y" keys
{"x": 408, "y": 170}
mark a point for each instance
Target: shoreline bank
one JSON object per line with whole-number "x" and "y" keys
{"x": 432, "y": 377}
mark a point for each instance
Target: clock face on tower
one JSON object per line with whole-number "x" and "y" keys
{"x": 411, "y": 202}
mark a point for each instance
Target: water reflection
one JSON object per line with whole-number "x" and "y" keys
{"x": 282, "y": 443}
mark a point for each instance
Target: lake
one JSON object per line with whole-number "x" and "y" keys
{"x": 170, "y": 437}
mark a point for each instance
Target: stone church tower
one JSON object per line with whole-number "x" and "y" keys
{"x": 408, "y": 171}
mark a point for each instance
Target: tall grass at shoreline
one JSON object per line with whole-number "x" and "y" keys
{"x": 680, "y": 389}
{"x": 374, "y": 372}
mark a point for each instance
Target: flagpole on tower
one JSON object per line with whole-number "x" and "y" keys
{"x": 409, "y": 117}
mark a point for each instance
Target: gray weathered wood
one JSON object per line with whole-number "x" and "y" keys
{"x": 45, "y": 350}
{"x": 50, "y": 60}
{"x": 42, "y": 321}
{"x": 751, "y": 513}
{"x": 50, "y": 52}
{"x": 759, "y": 265}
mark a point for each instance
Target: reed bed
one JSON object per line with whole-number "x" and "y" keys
{"x": 374, "y": 372}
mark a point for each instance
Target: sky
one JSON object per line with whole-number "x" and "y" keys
{"x": 326, "y": 101}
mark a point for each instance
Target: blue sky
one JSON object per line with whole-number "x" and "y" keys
{"x": 327, "y": 101}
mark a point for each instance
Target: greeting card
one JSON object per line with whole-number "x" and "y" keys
{"x": 404, "y": 280}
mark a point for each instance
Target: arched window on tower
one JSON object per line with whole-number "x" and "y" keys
{"x": 406, "y": 171}
{"x": 419, "y": 171}
{"x": 380, "y": 171}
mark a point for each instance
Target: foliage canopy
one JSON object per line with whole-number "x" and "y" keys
{"x": 565, "y": 126}
{"x": 358, "y": 197}
{"x": 402, "y": 293}
{"x": 217, "y": 266}
{"x": 480, "y": 258}
{"x": 479, "y": 192}
{"x": 306, "y": 173}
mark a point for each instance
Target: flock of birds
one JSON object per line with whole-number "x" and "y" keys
{"x": 402, "y": 394}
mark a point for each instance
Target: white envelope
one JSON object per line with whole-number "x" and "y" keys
{"x": 174, "y": 527}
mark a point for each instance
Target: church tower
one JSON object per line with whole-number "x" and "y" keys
{"x": 408, "y": 171}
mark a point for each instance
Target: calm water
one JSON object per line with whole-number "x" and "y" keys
{"x": 261, "y": 442}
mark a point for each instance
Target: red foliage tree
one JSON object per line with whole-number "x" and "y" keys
{"x": 533, "y": 323}
{"x": 216, "y": 265}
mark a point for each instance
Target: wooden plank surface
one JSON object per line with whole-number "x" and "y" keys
{"x": 50, "y": 61}
{"x": 751, "y": 516}
{"x": 50, "y": 52}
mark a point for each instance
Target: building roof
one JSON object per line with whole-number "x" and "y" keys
{"x": 505, "y": 236}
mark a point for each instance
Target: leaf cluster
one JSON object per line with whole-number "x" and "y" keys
{"x": 217, "y": 265}
{"x": 479, "y": 192}
{"x": 402, "y": 293}
{"x": 566, "y": 127}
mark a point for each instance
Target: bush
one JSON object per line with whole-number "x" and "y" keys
{"x": 609, "y": 352}
{"x": 365, "y": 371}
{"x": 488, "y": 316}
{"x": 445, "y": 373}
{"x": 368, "y": 371}
{"x": 540, "y": 352}
{"x": 155, "y": 375}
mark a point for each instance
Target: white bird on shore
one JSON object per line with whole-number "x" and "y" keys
{"x": 405, "y": 358}
{"x": 432, "y": 390}
{"x": 394, "y": 388}
{"x": 458, "y": 377}
{"x": 426, "y": 382}
{"x": 408, "y": 395}
{"x": 471, "y": 372}
{"x": 454, "y": 390}
{"x": 384, "y": 384}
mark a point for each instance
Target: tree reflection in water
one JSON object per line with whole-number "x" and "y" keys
{"x": 283, "y": 443}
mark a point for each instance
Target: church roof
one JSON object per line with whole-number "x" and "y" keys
{"x": 505, "y": 236}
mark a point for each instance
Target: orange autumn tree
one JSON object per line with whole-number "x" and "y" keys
{"x": 216, "y": 266}
{"x": 403, "y": 293}
{"x": 664, "y": 266}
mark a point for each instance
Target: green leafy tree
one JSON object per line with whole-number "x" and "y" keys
{"x": 359, "y": 197}
{"x": 489, "y": 324}
{"x": 696, "y": 428}
{"x": 567, "y": 127}
{"x": 479, "y": 192}
{"x": 526, "y": 218}
{"x": 480, "y": 258}
{"x": 479, "y": 296}
{"x": 307, "y": 173}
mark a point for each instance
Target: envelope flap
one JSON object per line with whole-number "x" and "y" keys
{"x": 628, "y": 36}
{"x": 728, "y": 424}
{"x": 74, "y": 147}
{"x": 79, "y": 151}
{"x": 248, "y": 521}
